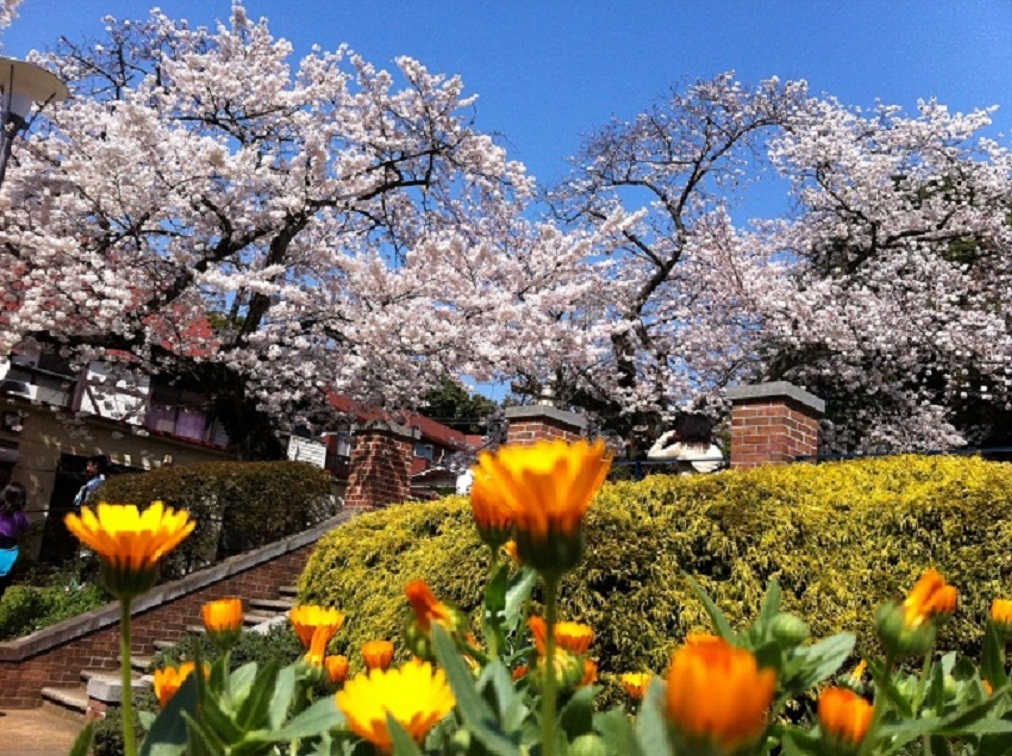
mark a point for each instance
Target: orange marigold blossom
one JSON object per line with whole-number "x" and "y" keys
{"x": 520, "y": 672}
{"x": 130, "y": 542}
{"x": 929, "y": 597}
{"x": 510, "y": 547}
{"x": 337, "y": 668}
{"x": 307, "y": 618}
{"x": 546, "y": 487}
{"x": 427, "y": 607}
{"x": 844, "y": 716}
{"x": 492, "y": 515}
{"x": 168, "y": 680}
{"x": 1001, "y": 615}
{"x": 589, "y": 673}
{"x": 416, "y": 694}
{"x": 222, "y": 620}
{"x": 717, "y": 694}
{"x": 318, "y": 646}
{"x": 571, "y": 636}
{"x": 377, "y": 654}
{"x": 636, "y": 683}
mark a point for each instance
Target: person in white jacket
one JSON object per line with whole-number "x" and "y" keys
{"x": 689, "y": 442}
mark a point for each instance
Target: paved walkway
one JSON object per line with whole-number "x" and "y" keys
{"x": 37, "y": 732}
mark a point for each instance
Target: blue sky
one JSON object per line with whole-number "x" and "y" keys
{"x": 548, "y": 72}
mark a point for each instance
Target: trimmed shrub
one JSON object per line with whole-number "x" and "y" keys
{"x": 27, "y": 608}
{"x": 840, "y": 538}
{"x": 238, "y": 506}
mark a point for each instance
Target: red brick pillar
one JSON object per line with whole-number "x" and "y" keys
{"x": 537, "y": 422}
{"x": 380, "y": 464}
{"x": 773, "y": 424}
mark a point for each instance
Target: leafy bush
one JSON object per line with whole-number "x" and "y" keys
{"x": 280, "y": 644}
{"x": 238, "y": 506}
{"x": 840, "y": 539}
{"x": 26, "y": 608}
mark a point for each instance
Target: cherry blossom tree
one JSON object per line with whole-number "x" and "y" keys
{"x": 204, "y": 206}
{"x": 882, "y": 290}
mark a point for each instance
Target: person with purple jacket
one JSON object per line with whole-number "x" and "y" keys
{"x": 13, "y": 523}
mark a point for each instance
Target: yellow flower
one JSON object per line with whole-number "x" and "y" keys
{"x": 636, "y": 684}
{"x": 1001, "y": 615}
{"x": 169, "y": 679}
{"x": 844, "y": 716}
{"x": 222, "y": 620}
{"x": 378, "y": 654}
{"x": 492, "y": 516}
{"x": 717, "y": 696}
{"x": 510, "y": 547}
{"x": 548, "y": 486}
{"x": 337, "y": 668}
{"x": 307, "y": 619}
{"x": 416, "y": 694}
{"x": 130, "y": 542}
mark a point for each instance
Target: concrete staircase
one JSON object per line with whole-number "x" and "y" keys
{"x": 101, "y": 688}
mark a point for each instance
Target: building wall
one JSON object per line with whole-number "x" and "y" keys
{"x": 46, "y": 434}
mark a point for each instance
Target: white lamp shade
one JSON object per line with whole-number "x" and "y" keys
{"x": 26, "y": 83}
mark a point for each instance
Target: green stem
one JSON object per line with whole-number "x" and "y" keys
{"x": 548, "y": 702}
{"x": 126, "y": 705}
{"x": 493, "y": 639}
{"x": 922, "y": 682}
{"x": 879, "y": 709}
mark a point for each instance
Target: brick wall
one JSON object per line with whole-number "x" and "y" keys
{"x": 528, "y": 425}
{"x": 380, "y": 465}
{"x": 56, "y": 655}
{"x": 773, "y": 423}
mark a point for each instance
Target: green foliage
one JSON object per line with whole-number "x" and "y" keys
{"x": 27, "y": 608}
{"x": 238, "y": 506}
{"x": 279, "y": 645}
{"x": 107, "y": 739}
{"x": 841, "y": 539}
{"x": 453, "y": 405}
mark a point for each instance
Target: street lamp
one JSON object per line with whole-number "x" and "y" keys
{"x": 21, "y": 85}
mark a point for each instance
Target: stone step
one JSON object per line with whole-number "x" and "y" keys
{"x": 67, "y": 700}
{"x": 273, "y": 605}
{"x": 198, "y": 629}
{"x": 140, "y": 662}
{"x": 255, "y": 618}
{"x": 288, "y": 590}
{"x": 164, "y": 645}
{"x": 108, "y": 674}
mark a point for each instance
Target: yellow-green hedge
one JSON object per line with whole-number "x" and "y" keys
{"x": 841, "y": 538}
{"x": 238, "y": 506}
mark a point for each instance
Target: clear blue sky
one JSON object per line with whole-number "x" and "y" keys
{"x": 548, "y": 71}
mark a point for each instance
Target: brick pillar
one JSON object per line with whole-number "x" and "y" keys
{"x": 527, "y": 425}
{"x": 380, "y": 464}
{"x": 773, "y": 423}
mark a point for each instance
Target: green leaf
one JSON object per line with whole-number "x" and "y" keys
{"x": 241, "y": 682}
{"x": 402, "y": 742}
{"x": 651, "y": 729}
{"x": 477, "y": 715}
{"x": 577, "y": 716}
{"x": 771, "y": 604}
{"x": 720, "y": 623}
{"x": 907, "y": 731}
{"x": 255, "y": 714}
{"x": 495, "y": 607}
{"x": 618, "y": 733}
{"x": 281, "y": 701}
{"x": 169, "y": 727}
{"x": 796, "y": 743}
{"x": 517, "y": 596}
{"x": 83, "y": 741}
{"x": 322, "y": 716}
{"x": 885, "y": 685}
{"x": 992, "y": 660}
{"x": 497, "y": 687}
{"x": 822, "y": 660}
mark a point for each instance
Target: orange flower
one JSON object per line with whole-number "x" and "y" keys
{"x": 520, "y": 672}
{"x": 222, "y": 620}
{"x": 492, "y": 515}
{"x": 427, "y": 608}
{"x": 571, "y": 636}
{"x": 510, "y": 547}
{"x": 844, "y": 716}
{"x": 307, "y": 619}
{"x": 546, "y": 487}
{"x": 589, "y": 673}
{"x": 717, "y": 695}
{"x": 929, "y": 598}
{"x": 378, "y": 654}
{"x": 636, "y": 684}
{"x": 988, "y": 688}
{"x": 416, "y": 695}
{"x": 337, "y": 668}
{"x": 1001, "y": 615}
{"x": 169, "y": 679}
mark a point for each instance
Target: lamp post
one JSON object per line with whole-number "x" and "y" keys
{"x": 21, "y": 85}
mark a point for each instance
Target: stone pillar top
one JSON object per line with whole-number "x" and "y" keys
{"x": 776, "y": 390}
{"x": 541, "y": 411}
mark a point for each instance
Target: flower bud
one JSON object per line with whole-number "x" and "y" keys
{"x": 901, "y": 638}
{"x": 588, "y": 745}
{"x": 1001, "y": 616}
{"x": 788, "y": 630}
{"x": 569, "y": 671}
